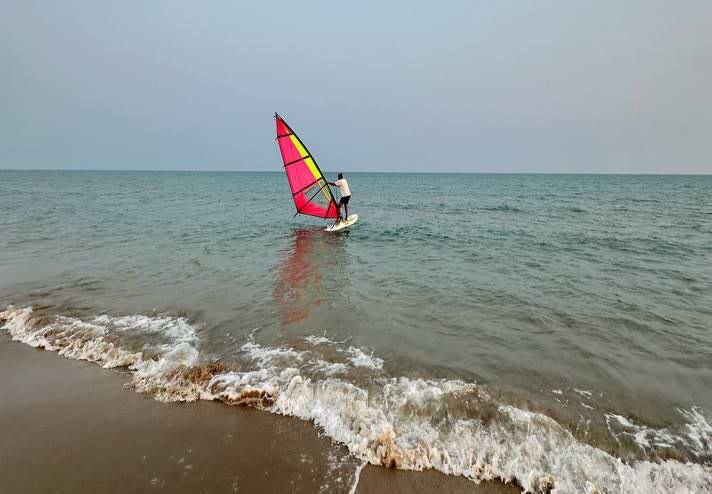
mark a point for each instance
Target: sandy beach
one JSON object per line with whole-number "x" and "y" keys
{"x": 71, "y": 427}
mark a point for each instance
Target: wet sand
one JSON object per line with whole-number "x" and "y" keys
{"x": 70, "y": 427}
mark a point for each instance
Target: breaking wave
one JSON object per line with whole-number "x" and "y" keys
{"x": 453, "y": 426}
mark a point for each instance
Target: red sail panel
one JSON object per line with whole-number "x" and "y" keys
{"x": 310, "y": 191}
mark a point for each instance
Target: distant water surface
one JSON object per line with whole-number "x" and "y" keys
{"x": 586, "y": 299}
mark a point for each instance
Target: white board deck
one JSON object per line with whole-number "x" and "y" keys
{"x": 350, "y": 221}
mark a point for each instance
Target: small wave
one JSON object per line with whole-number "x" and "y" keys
{"x": 69, "y": 337}
{"x": 453, "y": 426}
{"x": 75, "y": 339}
{"x": 644, "y": 200}
{"x": 174, "y": 330}
{"x": 503, "y": 207}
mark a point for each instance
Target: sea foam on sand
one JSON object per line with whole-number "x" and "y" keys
{"x": 411, "y": 424}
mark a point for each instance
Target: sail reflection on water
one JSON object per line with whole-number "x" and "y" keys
{"x": 312, "y": 278}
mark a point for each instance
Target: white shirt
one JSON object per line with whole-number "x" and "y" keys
{"x": 343, "y": 186}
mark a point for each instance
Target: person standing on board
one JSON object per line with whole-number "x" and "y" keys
{"x": 345, "y": 192}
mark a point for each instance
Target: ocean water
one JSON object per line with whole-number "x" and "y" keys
{"x": 550, "y": 330}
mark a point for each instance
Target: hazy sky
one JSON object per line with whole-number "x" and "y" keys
{"x": 549, "y": 86}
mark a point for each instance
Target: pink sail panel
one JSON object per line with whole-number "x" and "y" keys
{"x": 310, "y": 191}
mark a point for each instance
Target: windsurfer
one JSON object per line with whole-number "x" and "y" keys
{"x": 345, "y": 193}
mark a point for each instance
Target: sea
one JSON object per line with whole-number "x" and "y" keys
{"x": 554, "y": 331}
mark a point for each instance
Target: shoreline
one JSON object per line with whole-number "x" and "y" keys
{"x": 70, "y": 426}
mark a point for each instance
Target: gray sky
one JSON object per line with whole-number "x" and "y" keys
{"x": 506, "y": 86}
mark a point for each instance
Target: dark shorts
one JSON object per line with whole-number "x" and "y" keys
{"x": 344, "y": 200}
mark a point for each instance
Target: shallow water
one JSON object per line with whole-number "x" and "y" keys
{"x": 458, "y": 305}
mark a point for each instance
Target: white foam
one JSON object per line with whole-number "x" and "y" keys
{"x": 699, "y": 430}
{"x": 175, "y": 329}
{"x": 69, "y": 337}
{"x": 16, "y": 322}
{"x": 330, "y": 368}
{"x": 357, "y": 476}
{"x": 584, "y": 393}
{"x": 406, "y": 423}
{"x": 267, "y": 356}
{"x": 696, "y": 437}
{"x": 319, "y": 340}
{"x": 256, "y": 388}
{"x": 396, "y": 427}
{"x": 360, "y": 359}
{"x": 162, "y": 377}
{"x": 78, "y": 340}
{"x": 323, "y": 340}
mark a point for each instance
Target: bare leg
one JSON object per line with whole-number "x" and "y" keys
{"x": 346, "y": 208}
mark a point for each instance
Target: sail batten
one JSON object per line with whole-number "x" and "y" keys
{"x": 296, "y": 160}
{"x": 310, "y": 191}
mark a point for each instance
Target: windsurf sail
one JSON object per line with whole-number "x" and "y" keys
{"x": 310, "y": 191}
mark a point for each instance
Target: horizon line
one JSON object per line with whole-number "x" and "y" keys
{"x": 425, "y": 172}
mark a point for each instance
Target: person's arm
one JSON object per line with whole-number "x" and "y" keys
{"x": 331, "y": 183}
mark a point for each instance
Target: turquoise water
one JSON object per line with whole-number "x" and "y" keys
{"x": 584, "y": 298}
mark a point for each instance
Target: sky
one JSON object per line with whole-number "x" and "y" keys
{"x": 474, "y": 86}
